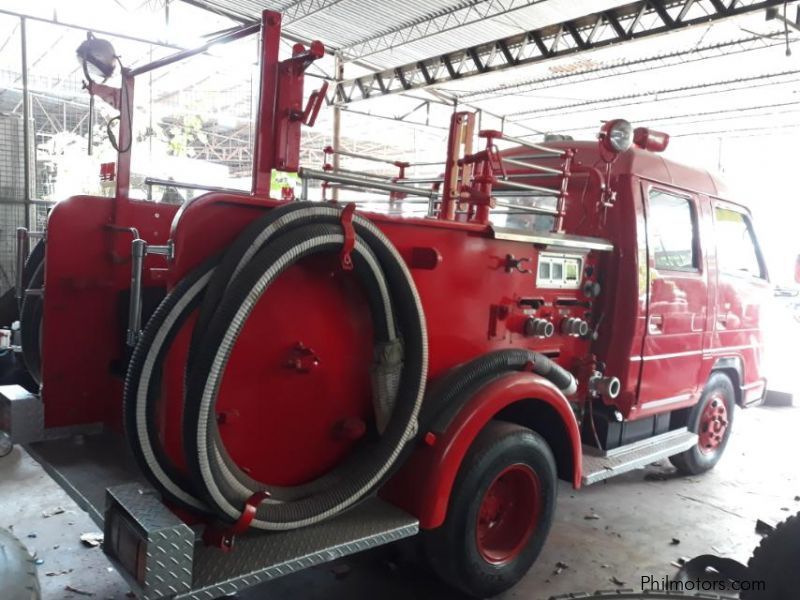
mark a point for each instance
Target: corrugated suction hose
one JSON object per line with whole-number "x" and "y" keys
{"x": 227, "y": 290}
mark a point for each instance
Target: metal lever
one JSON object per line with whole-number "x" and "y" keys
{"x": 309, "y": 115}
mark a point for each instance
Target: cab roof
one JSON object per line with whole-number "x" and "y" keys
{"x": 653, "y": 166}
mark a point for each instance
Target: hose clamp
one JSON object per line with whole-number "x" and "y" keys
{"x": 223, "y": 537}
{"x": 349, "y": 236}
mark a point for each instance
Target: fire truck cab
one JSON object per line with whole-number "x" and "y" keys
{"x": 687, "y": 281}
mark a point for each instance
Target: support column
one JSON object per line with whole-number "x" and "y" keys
{"x": 26, "y": 125}
{"x": 337, "y": 119}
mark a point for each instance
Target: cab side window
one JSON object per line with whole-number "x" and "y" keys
{"x": 671, "y": 231}
{"x": 736, "y": 248}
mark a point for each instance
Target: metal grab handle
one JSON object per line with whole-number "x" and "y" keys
{"x": 140, "y": 249}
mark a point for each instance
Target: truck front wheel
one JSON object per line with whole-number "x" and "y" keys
{"x": 500, "y": 512}
{"x": 711, "y": 420}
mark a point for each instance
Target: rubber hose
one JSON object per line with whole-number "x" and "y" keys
{"x": 141, "y": 392}
{"x": 358, "y": 475}
{"x": 444, "y": 398}
{"x": 142, "y": 389}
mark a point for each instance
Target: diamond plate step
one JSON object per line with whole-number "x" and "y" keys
{"x": 600, "y": 466}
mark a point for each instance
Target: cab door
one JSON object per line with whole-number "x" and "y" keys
{"x": 742, "y": 289}
{"x": 677, "y": 302}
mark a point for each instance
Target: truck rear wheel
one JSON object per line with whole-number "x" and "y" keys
{"x": 500, "y": 512}
{"x": 711, "y": 420}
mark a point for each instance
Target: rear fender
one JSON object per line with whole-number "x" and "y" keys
{"x": 424, "y": 483}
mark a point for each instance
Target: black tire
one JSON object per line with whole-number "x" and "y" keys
{"x": 705, "y": 455}
{"x": 775, "y": 563}
{"x": 18, "y": 580}
{"x": 453, "y": 550}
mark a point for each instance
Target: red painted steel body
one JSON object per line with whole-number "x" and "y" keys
{"x": 301, "y": 367}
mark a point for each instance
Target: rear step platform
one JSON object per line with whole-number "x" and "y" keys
{"x": 162, "y": 557}
{"x": 599, "y": 465}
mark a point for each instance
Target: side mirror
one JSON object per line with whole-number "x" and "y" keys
{"x": 797, "y": 269}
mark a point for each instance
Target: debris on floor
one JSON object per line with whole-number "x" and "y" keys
{"x": 51, "y": 512}
{"x": 616, "y": 581}
{"x": 592, "y": 517}
{"x": 69, "y": 588}
{"x": 57, "y": 573}
{"x": 92, "y": 539}
{"x": 674, "y": 542}
{"x": 764, "y": 528}
{"x": 560, "y": 566}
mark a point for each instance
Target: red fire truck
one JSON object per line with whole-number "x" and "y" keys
{"x": 313, "y": 379}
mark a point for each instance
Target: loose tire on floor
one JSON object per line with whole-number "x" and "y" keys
{"x": 18, "y": 580}
{"x": 775, "y": 562}
{"x": 711, "y": 420}
{"x": 500, "y": 512}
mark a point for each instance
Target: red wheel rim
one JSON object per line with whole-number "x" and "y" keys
{"x": 508, "y": 514}
{"x": 713, "y": 423}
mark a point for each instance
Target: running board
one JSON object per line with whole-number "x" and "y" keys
{"x": 599, "y": 465}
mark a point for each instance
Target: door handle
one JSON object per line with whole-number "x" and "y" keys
{"x": 655, "y": 324}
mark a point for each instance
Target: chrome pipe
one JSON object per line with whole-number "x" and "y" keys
{"x": 526, "y": 186}
{"x": 151, "y": 181}
{"x": 536, "y": 210}
{"x": 138, "y": 251}
{"x": 364, "y": 157}
{"x": 527, "y": 165}
{"x": 304, "y": 190}
{"x": 360, "y": 174}
{"x": 362, "y": 182}
{"x": 167, "y": 250}
{"x": 421, "y": 180}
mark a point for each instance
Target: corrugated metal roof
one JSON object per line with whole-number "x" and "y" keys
{"x": 413, "y": 29}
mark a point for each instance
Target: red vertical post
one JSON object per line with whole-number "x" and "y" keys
{"x": 264, "y": 151}
{"x": 125, "y": 137}
{"x": 124, "y": 145}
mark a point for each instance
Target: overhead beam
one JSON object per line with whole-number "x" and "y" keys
{"x": 626, "y": 67}
{"x": 636, "y": 20}
{"x": 429, "y": 25}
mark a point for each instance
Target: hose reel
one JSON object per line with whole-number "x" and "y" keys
{"x": 226, "y": 290}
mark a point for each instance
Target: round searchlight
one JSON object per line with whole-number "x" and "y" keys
{"x": 97, "y": 57}
{"x": 616, "y": 136}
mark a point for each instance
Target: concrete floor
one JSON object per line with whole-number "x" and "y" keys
{"x": 639, "y": 514}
